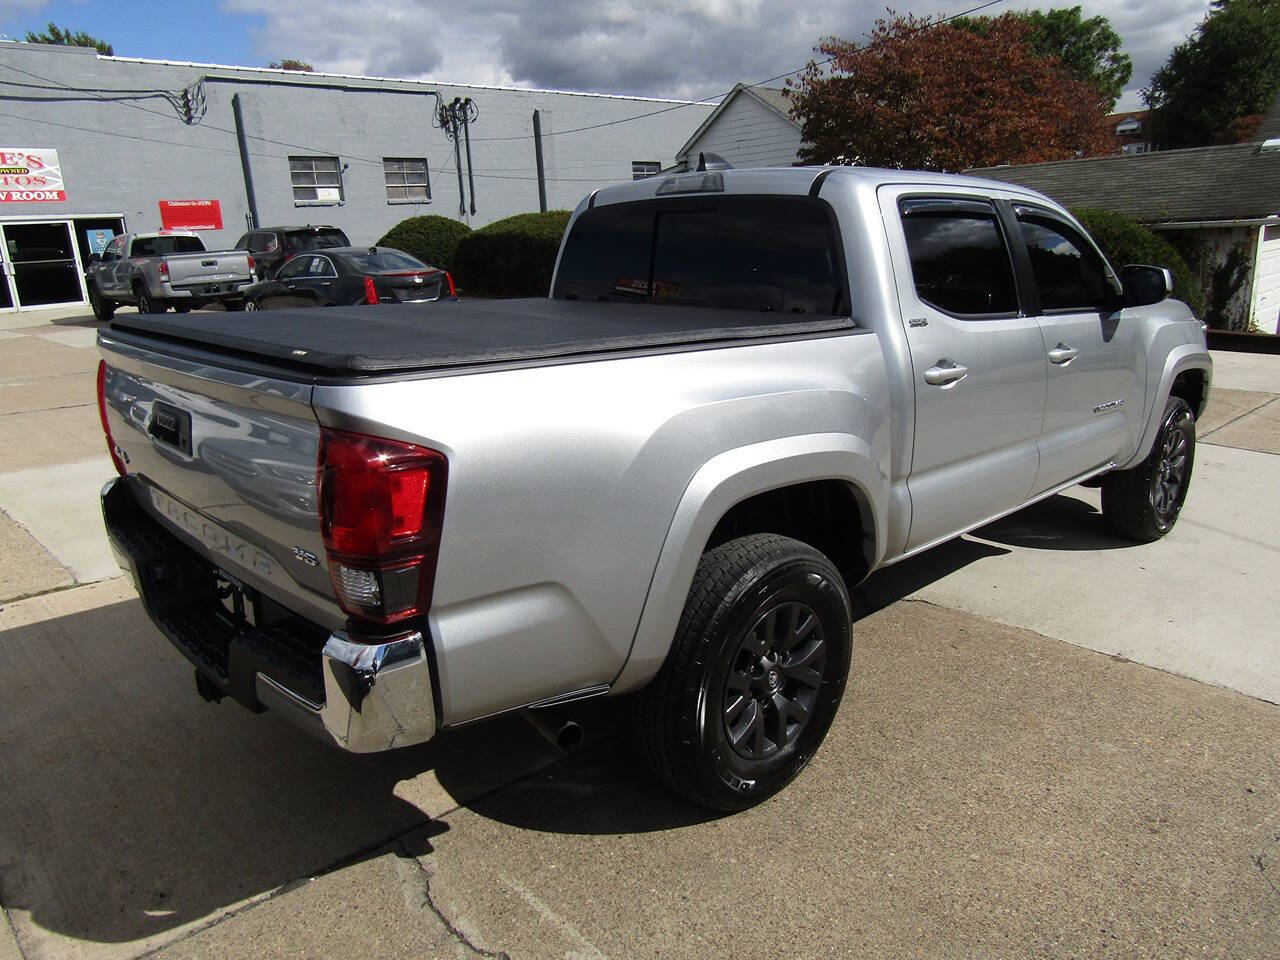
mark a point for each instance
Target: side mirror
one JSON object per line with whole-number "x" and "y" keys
{"x": 1144, "y": 285}
{"x": 95, "y": 258}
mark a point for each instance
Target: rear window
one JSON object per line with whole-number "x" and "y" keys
{"x": 382, "y": 261}
{"x": 314, "y": 239}
{"x": 959, "y": 260}
{"x": 766, "y": 253}
{"x": 162, "y": 246}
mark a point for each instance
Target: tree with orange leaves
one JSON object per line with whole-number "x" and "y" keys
{"x": 932, "y": 96}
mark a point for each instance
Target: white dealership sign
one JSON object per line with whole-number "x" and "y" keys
{"x": 29, "y": 175}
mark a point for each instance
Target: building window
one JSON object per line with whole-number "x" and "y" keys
{"x": 406, "y": 179}
{"x": 1128, "y": 126}
{"x": 316, "y": 180}
{"x": 645, "y": 168}
{"x": 1132, "y": 148}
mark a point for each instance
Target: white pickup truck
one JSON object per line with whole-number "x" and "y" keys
{"x": 169, "y": 268}
{"x": 747, "y": 390}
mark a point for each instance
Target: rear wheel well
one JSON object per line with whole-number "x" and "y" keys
{"x": 1190, "y": 386}
{"x": 829, "y": 515}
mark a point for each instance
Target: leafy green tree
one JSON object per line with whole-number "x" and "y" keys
{"x": 65, "y": 38}
{"x": 1227, "y": 70}
{"x": 1088, "y": 47}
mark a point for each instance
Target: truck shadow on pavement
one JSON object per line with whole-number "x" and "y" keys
{"x": 130, "y": 808}
{"x": 1061, "y": 522}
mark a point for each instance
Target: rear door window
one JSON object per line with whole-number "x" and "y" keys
{"x": 775, "y": 254}
{"x": 294, "y": 268}
{"x": 959, "y": 260}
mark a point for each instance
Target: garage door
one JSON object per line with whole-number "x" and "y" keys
{"x": 1266, "y": 282}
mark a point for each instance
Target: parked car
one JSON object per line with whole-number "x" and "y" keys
{"x": 272, "y": 246}
{"x": 168, "y": 268}
{"x": 341, "y": 276}
{"x": 747, "y": 390}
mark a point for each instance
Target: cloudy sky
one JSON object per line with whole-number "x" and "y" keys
{"x": 691, "y": 49}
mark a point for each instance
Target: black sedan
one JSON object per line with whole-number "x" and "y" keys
{"x": 340, "y": 276}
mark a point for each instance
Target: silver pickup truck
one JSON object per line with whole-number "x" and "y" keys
{"x": 747, "y": 390}
{"x": 169, "y": 268}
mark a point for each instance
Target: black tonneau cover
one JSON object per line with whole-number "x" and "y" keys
{"x": 406, "y": 337}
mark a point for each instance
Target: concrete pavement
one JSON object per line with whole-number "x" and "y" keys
{"x": 987, "y": 790}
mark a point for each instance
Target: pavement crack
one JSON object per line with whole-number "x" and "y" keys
{"x": 403, "y": 851}
{"x": 13, "y": 931}
{"x": 1240, "y": 416}
{"x": 1260, "y": 861}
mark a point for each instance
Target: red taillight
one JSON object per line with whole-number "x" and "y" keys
{"x": 381, "y": 509}
{"x": 253, "y": 264}
{"x": 164, "y": 270}
{"x": 370, "y": 291}
{"x": 102, "y": 415}
{"x": 449, "y": 276}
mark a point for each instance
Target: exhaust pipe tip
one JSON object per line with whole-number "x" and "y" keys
{"x": 570, "y": 736}
{"x": 554, "y": 727}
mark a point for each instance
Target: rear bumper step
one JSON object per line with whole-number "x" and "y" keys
{"x": 364, "y": 696}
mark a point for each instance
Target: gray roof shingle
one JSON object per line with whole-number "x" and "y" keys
{"x": 1233, "y": 182}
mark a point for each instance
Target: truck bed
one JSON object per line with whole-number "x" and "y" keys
{"x": 365, "y": 340}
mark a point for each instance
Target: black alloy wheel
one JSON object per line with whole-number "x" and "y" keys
{"x": 774, "y": 681}
{"x": 754, "y": 675}
{"x": 145, "y": 302}
{"x": 103, "y": 310}
{"x": 1144, "y": 503}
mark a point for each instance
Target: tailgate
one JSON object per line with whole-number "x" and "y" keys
{"x": 196, "y": 269}
{"x": 227, "y": 462}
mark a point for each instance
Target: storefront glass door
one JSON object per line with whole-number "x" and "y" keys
{"x": 41, "y": 264}
{"x": 6, "y": 294}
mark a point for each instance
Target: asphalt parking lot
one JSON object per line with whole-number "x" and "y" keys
{"x": 1053, "y": 744}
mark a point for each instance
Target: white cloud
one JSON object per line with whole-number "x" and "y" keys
{"x": 673, "y": 48}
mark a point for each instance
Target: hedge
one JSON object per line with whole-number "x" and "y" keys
{"x": 432, "y": 239}
{"x": 513, "y": 257}
{"x": 1126, "y": 241}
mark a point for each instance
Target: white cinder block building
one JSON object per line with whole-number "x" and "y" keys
{"x": 94, "y": 145}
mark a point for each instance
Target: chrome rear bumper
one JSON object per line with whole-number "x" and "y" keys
{"x": 363, "y": 695}
{"x": 377, "y": 696}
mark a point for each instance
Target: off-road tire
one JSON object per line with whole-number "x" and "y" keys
{"x": 144, "y": 301}
{"x": 1144, "y": 503}
{"x": 103, "y": 309}
{"x": 682, "y": 724}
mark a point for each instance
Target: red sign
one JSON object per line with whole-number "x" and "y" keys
{"x": 190, "y": 215}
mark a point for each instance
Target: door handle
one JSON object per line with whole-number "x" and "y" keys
{"x": 1063, "y": 354}
{"x": 945, "y": 372}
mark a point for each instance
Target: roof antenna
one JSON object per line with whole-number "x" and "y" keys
{"x": 712, "y": 161}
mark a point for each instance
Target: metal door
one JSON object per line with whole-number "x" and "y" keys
{"x": 6, "y": 282}
{"x": 43, "y": 264}
{"x": 978, "y": 364}
{"x": 1094, "y": 409}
